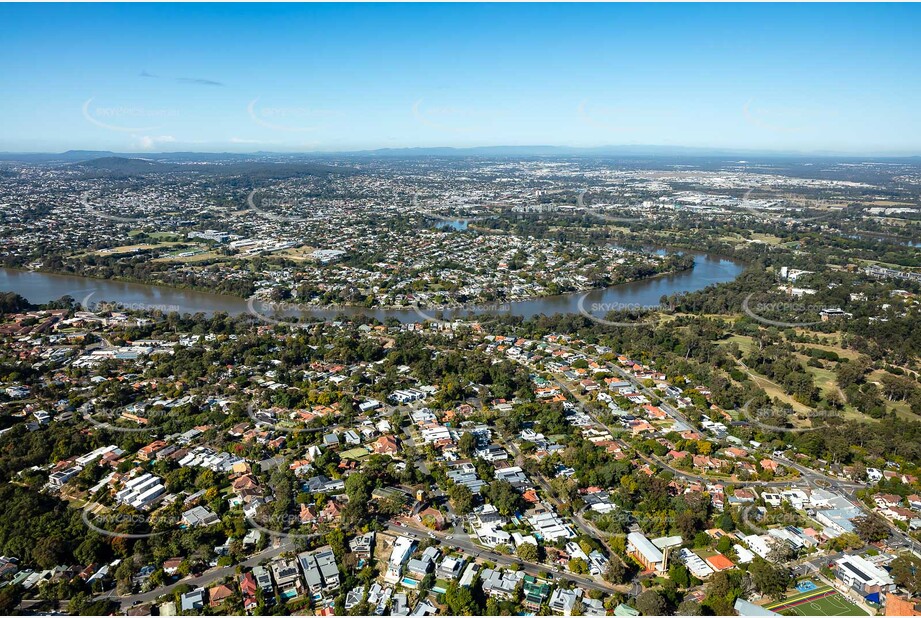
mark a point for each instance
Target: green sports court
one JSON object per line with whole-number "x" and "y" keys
{"x": 823, "y": 601}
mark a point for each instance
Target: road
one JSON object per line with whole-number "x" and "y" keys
{"x": 203, "y": 580}
{"x": 475, "y": 551}
{"x": 459, "y": 540}
{"x": 584, "y": 526}
{"x": 809, "y": 475}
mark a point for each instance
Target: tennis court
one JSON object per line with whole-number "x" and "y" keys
{"x": 823, "y": 601}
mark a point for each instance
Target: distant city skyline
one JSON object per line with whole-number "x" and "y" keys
{"x": 829, "y": 78}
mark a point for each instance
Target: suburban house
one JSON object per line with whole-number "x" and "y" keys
{"x": 320, "y": 570}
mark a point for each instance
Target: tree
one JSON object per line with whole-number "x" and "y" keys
{"x": 335, "y": 538}
{"x": 391, "y": 506}
{"x": 780, "y": 552}
{"x": 10, "y": 596}
{"x": 722, "y": 591}
{"x": 689, "y": 607}
{"x": 578, "y": 566}
{"x": 91, "y": 550}
{"x": 906, "y": 571}
{"x": 466, "y": 444}
{"x": 461, "y": 498}
{"x": 527, "y": 552}
{"x": 769, "y": 579}
{"x": 504, "y": 497}
{"x": 460, "y": 601}
{"x": 679, "y": 574}
{"x": 49, "y": 551}
{"x": 848, "y": 540}
{"x": 651, "y": 603}
{"x": 870, "y": 528}
{"x": 616, "y": 572}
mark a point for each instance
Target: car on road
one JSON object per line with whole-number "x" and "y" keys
{"x": 449, "y": 537}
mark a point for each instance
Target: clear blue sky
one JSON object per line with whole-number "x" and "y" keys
{"x": 237, "y": 77}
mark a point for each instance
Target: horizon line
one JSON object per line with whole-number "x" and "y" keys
{"x": 565, "y": 150}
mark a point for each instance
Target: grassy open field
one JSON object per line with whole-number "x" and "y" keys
{"x": 198, "y": 257}
{"x": 824, "y": 378}
{"x": 132, "y": 248}
{"x": 767, "y": 238}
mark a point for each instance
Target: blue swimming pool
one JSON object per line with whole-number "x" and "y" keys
{"x": 806, "y": 586}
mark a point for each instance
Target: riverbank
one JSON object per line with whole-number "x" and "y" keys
{"x": 41, "y": 287}
{"x": 474, "y": 303}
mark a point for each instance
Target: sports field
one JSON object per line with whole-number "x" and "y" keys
{"x": 823, "y": 601}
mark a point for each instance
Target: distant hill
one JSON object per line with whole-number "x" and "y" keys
{"x": 282, "y": 158}
{"x": 60, "y": 157}
{"x": 126, "y": 167}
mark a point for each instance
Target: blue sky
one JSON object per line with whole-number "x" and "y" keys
{"x": 238, "y": 77}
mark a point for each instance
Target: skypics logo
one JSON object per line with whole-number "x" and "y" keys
{"x": 749, "y": 204}
{"x": 277, "y": 310}
{"x": 289, "y": 119}
{"x": 125, "y": 523}
{"x": 101, "y": 212}
{"x": 635, "y": 314}
{"x": 277, "y": 208}
{"x": 459, "y": 312}
{"x": 451, "y": 118}
{"x": 268, "y": 418}
{"x": 281, "y": 526}
{"x": 88, "y": 417}
{"x": 768, "y": 119}
{"x": 126, "y": 119}
{"x": 771, "y": 418}
{"x": 609, "y": 118}
{"x": 783, "y": 308}
{"x": 102, "y": 306}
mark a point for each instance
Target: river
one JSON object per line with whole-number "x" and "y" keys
{"x": 40, "y": 287}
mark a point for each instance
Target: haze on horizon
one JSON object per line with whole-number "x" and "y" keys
{"x": 307, "y": 78}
